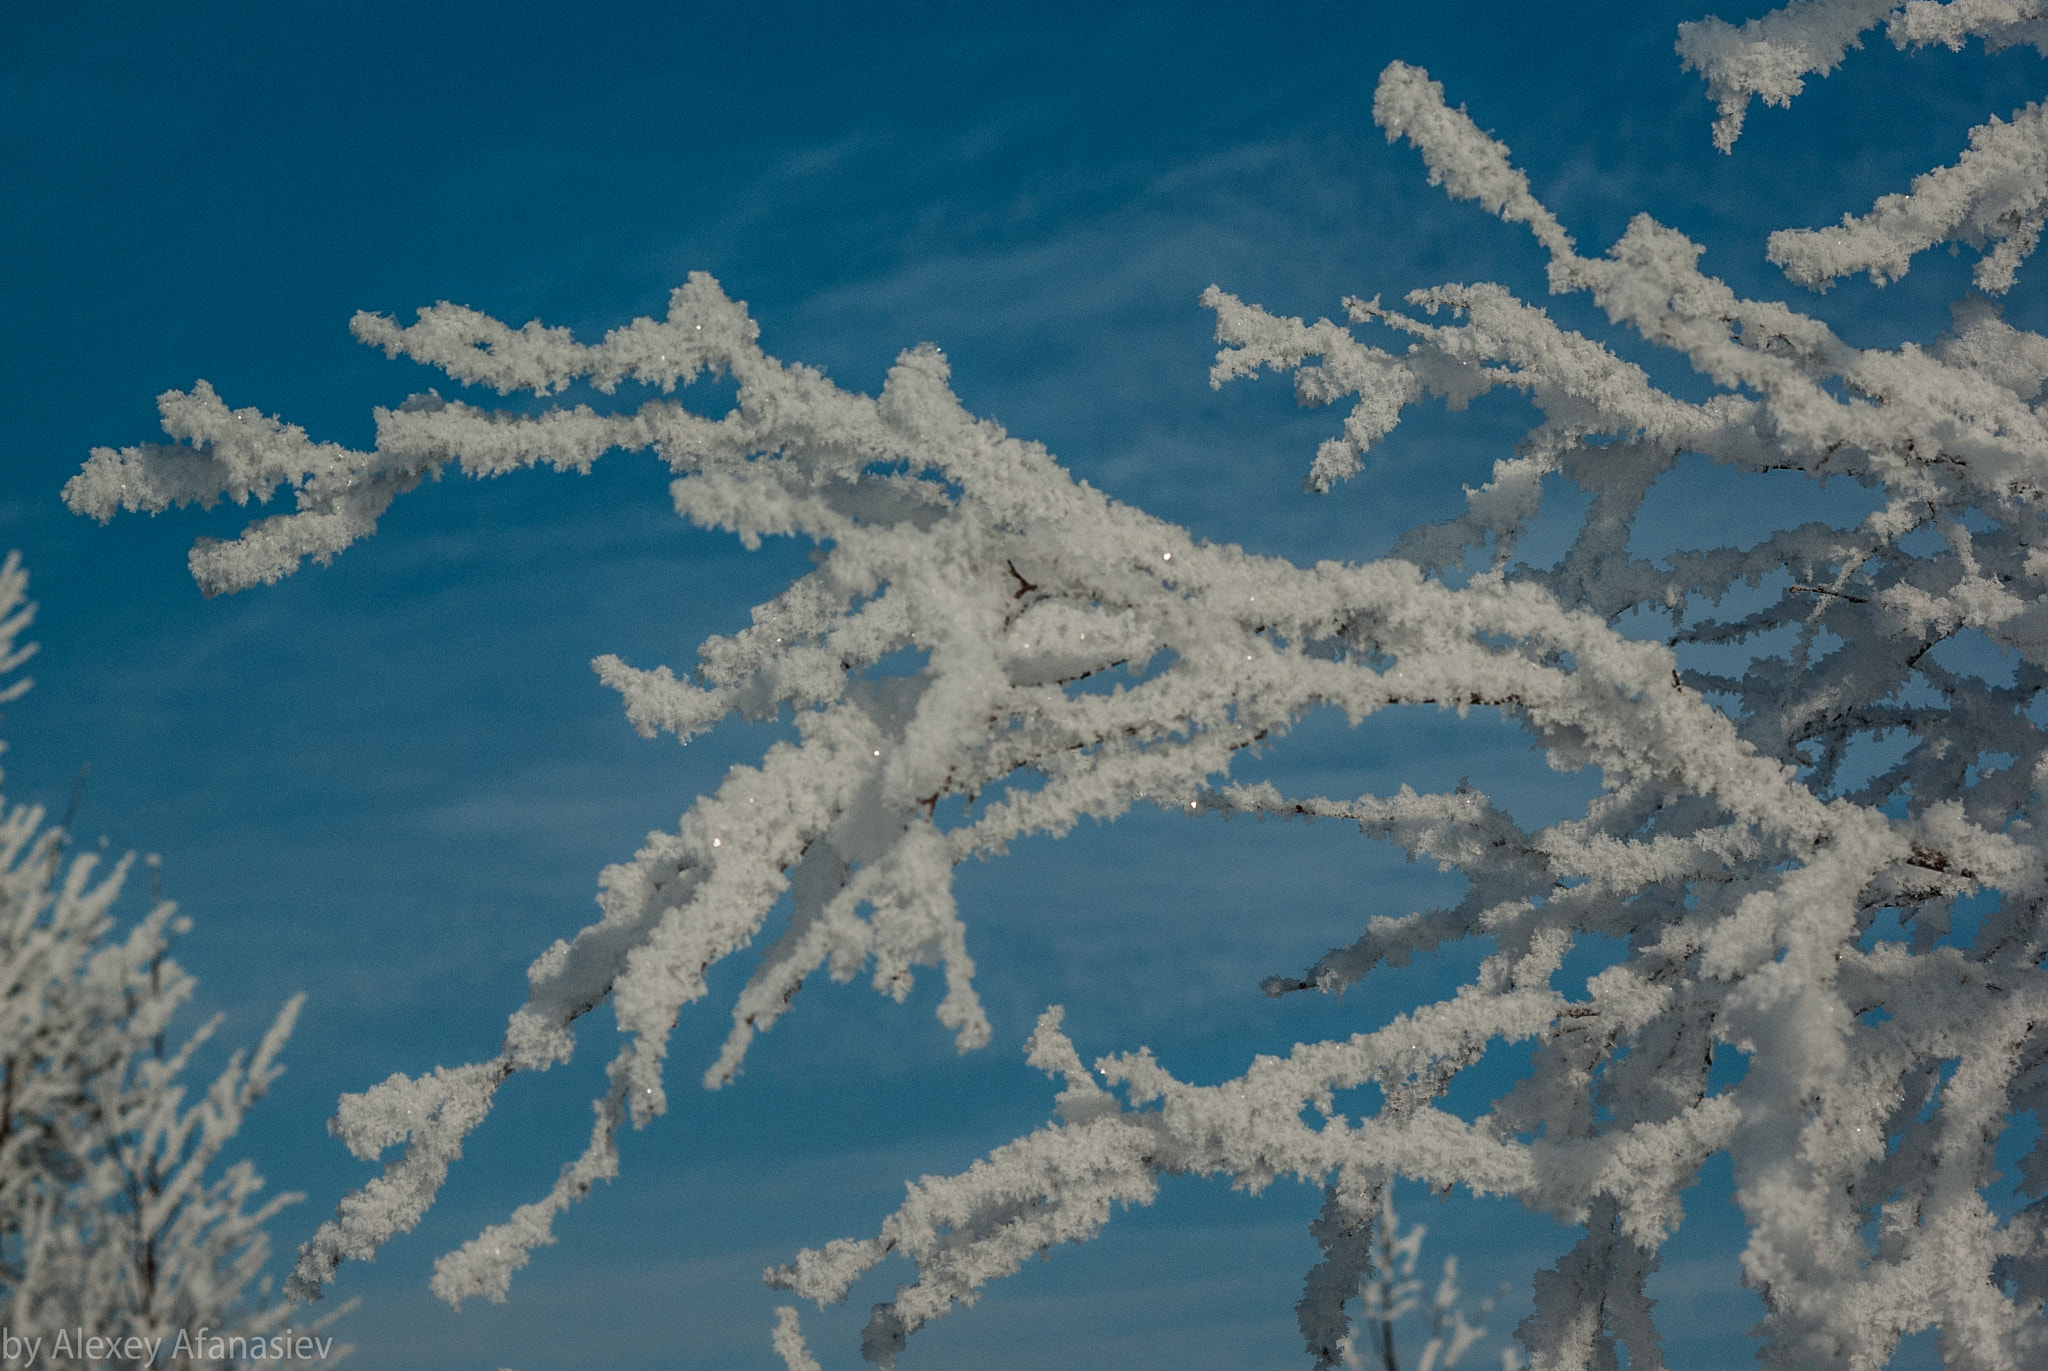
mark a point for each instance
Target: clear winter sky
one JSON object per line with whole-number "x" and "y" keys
{"x": 391, "y": 782}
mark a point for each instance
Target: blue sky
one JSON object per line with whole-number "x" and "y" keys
{"x": 392, "y": 781}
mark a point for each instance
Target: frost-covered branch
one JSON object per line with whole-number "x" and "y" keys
{"x": 988, "y": 649}
{"x": 1771, "y": 56}
{"x": 1996, "y": 194}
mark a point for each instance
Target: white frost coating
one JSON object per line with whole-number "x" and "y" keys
{"x": 1770, "y": 56}
{"x": 1997, "y": 193}
{"x": 789, "y": 1341}
{"x": 1469, "y": 165}
{"x": 1745, "y": 879}
{"x": 1951, "y": 23}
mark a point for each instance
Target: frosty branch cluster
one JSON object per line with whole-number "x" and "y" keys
{"x": 960, "y": 639}
{"x": 114, "y": 1230}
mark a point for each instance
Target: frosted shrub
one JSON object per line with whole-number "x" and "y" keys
{"x": 1867, "y": 1080}
{"x": 1390, "y": 1291}
{"x": 117, "y": 1247}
